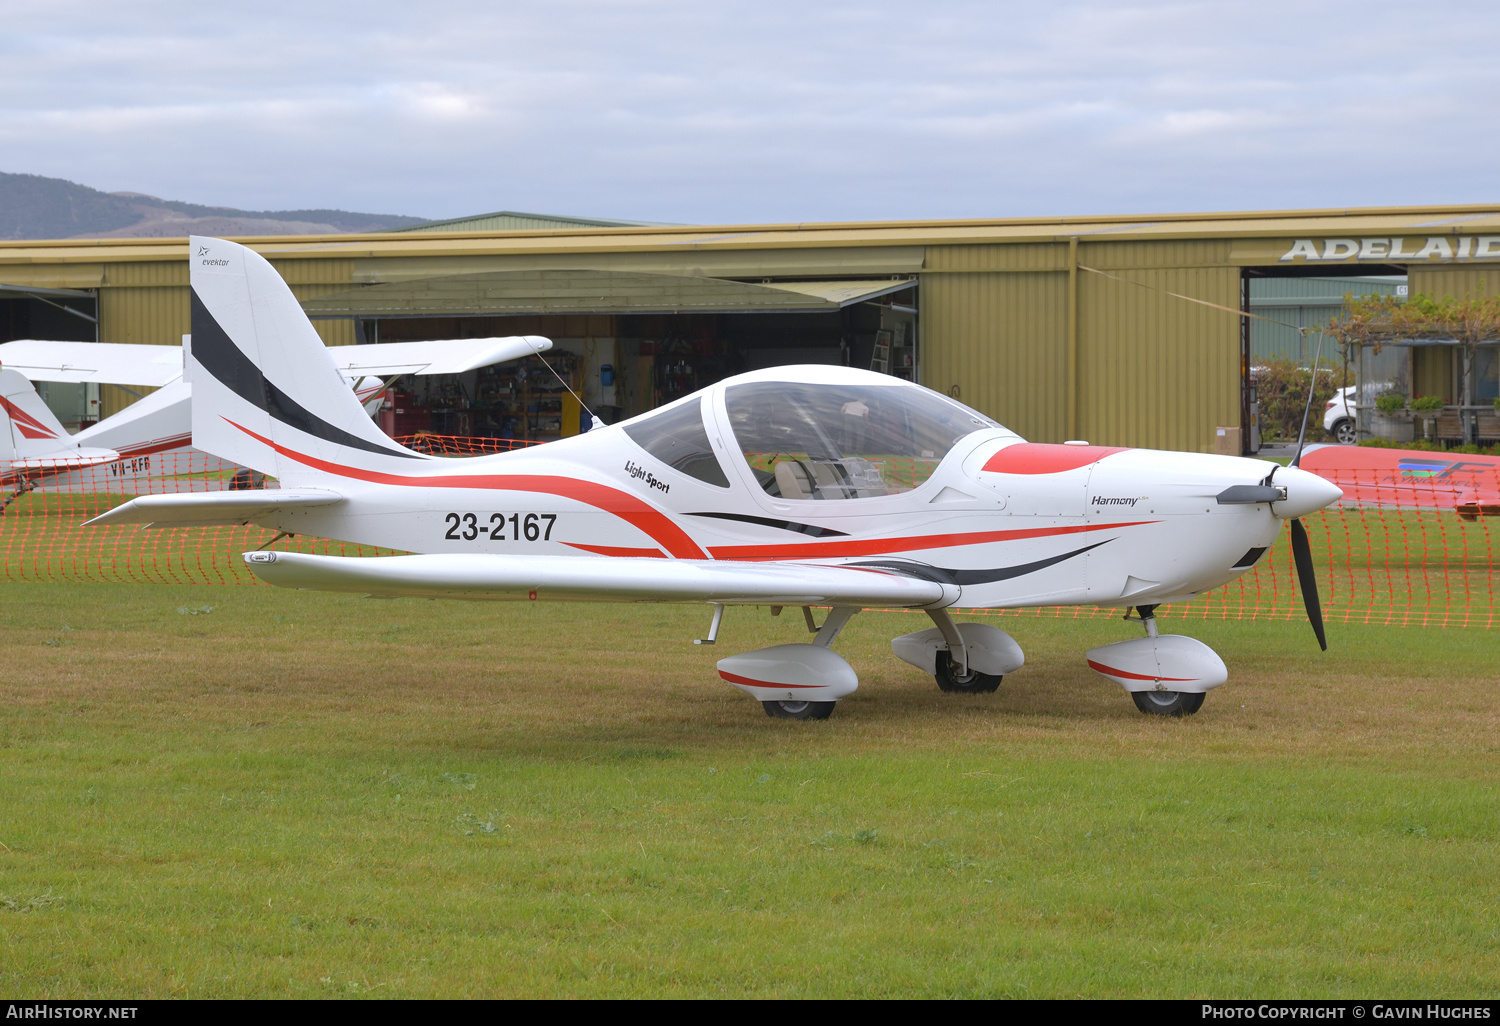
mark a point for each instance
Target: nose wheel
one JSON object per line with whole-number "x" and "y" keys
{"x": 1167, "y": 703}
{"x": 799, "y": 710}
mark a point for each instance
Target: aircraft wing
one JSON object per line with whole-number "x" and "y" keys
{"x": 208, "y": 509}
{"x": 1469, "y": 484}
{"x": 108, "y": 363}
{"x": 604, "y": 579}
{"x": 447, "y": 356}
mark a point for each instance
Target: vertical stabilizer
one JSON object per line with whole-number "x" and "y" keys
{"x": 266, "y": 391}
{"x": 27, "y": 427}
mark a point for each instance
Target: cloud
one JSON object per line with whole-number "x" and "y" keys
{"x": 739, "y": 111}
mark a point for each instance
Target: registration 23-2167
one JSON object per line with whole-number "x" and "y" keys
{"x": 500, "y": 526}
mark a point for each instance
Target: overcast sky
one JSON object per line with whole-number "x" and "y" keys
{"x": 723, "y": 112}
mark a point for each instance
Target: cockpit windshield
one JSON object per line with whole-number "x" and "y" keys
{"x": 817, "y": 441}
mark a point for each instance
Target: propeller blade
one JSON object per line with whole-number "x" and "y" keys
{"x": 1307, "y": 580}
{"x": 1312, "y": 389}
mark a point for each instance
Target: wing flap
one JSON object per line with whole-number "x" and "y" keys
{"x": 585, "y": 579}
{"x": 208, "y": 509}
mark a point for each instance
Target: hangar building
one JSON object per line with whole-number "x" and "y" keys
{"x": 1118, "y": 330}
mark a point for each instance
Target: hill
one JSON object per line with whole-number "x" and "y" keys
{"x": 34, "y": 207}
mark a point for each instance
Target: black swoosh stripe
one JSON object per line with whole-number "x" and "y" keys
{"x": 963, "y": 577}
{"x": 785, "y": 525}
{"x": 216, "y": 352}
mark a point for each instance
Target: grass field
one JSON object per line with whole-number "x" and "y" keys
{"x": 303, "y": 795}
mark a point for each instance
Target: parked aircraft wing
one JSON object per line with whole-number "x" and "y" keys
{"x": 208, "y": 509}
{"x": 609, "y": 579}
{"x": 1469, "y": 484}
{"x": 114, "y": 363}
{"x": 447, "y": 356}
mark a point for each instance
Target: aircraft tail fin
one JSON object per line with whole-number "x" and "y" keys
{"x": 27, "y": 427}
{"x": 266, "y": 392}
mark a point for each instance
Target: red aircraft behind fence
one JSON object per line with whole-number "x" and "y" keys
{"x": 1470, "y": 485}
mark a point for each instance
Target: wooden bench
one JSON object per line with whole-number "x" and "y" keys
{"x": 1450, "y": 428}
{"x": 1489, "y": 426}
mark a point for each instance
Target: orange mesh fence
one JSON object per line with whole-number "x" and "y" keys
{"x": 1417, "y": 552}
{"x": 460, "y": 445}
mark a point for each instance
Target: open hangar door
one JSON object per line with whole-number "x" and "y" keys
{"x": 626, "y": 342}
{"x": 67, "y": 315}
{"x": 1299, "y": 296}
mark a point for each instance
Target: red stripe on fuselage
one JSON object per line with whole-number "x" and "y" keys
{"x": 152, "y": 448}
{"x": 622, "y": 504}
{"x": 619, "y": 550}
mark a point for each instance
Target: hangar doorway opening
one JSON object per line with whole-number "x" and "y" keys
{"x": 67, "y": 315}
{"x": 626, "y": 342}
{"x": 1272, "y": 395}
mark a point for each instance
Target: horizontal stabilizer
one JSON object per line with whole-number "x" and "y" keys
{"x": 584, "y": 579}
{"x": 69, "y": 458}
{"x": 447, "y": 356}
{"x": 207, "y": 509}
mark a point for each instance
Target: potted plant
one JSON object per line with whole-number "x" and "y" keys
{"x": 1427, "y": 406}
{"x": 1391, "y": 421}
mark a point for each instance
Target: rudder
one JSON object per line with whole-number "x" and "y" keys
{"x": 266, "y": 392}
{"x": 27, "y": 427}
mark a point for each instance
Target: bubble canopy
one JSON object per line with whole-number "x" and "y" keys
{"x": 807, "y": 440}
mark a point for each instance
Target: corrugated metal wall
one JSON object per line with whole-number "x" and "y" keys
{"x": 1152, "y": 370}
{"x": 994, "y": 327}
{"x": 1457, "y": 282}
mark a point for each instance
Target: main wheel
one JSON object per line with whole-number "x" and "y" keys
{"x": 1344, "y": 432}
{"x": 799, "y": 710}
{"x": 971, "y": 683}
{"x": 1168, "y": 703}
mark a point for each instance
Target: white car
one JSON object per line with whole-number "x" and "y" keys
{"x": 1338, "y": 418}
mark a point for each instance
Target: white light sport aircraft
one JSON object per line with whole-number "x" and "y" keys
{"x": 796, "y": 486}
{"x": 132, "y": 449}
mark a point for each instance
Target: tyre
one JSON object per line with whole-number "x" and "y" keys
{"x": 799, "y": 710}
{"x": 245, "y": 479}
{"x": 1168, "y": 703}
{"x": 972, "y": 683}
{"x": 1344, "y": 432}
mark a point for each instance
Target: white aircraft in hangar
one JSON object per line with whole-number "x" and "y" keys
{"x": 131, "y": 450}
{"x": 796, "y": 486}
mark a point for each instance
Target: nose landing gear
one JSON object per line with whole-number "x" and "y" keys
{"x": 1166, "y": 674}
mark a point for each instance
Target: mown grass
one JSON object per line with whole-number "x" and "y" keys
{"x": 302, "y": 795}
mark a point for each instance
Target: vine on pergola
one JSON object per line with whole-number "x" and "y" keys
{"x": 1379, "y": 320}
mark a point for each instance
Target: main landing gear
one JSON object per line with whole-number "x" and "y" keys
{"x": 1166, "y": 674}
{"x": 964, "y": 658}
